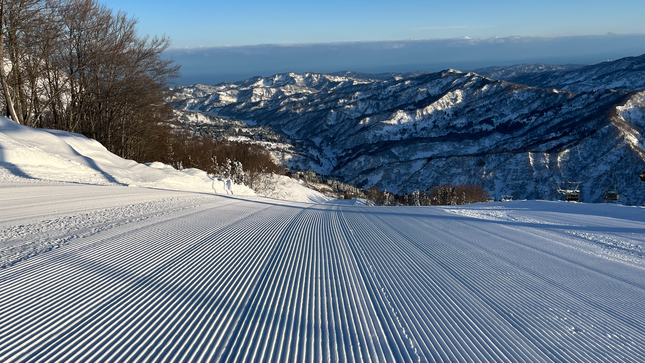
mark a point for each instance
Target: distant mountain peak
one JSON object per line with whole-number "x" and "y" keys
{"x": 621, "y": 74}
{"x": 415, "y": 131}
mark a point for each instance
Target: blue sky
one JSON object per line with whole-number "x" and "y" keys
{"x": 192, "y": 23}
{"x": 227, "y": 41}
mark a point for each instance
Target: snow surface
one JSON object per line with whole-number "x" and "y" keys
{"x": 52, "y": 155}
{"x": 283, "y": 187}
{"x": 120, "y": 274}
{"x": 178, "y": 276}
{"x": 62, "y": 156}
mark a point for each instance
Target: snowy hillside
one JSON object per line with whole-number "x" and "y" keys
{"x": 423, "y": 130}
{"x": 122, "y": 274}
{"x": 52, "y": 155}
{"x": 507, "y": 73}
{"x": 624, "y": 74}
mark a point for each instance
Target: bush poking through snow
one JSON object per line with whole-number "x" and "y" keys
{"x": 239, "y": 162}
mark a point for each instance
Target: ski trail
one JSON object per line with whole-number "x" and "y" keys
{"x": 223, "y": 279}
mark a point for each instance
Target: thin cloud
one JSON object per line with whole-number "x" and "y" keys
{"x": 229, "y": 64}
{"x": 448, "y": 27}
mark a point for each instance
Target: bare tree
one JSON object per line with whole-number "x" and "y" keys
{"x": 29, "y": 35}
{"x": 116, "y": 80}
{"x": 78, "y": 66}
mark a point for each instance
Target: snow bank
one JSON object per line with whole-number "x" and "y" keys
{"x": 53, "y": 155}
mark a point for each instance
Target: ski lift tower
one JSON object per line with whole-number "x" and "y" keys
{"x": 571, "y": 190}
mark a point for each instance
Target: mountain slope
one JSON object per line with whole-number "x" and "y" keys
{"x": 507, "y": 73}
{"x": 40, "y": 155}
{"x": 53, "y": 155}
{"x": 414, "y": 132}
{"x": 624, "y": 74}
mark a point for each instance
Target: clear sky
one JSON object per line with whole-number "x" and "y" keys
{"x": 208, "y": 23}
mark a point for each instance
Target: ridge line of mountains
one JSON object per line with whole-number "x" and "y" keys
{"x": 512, "y": 130}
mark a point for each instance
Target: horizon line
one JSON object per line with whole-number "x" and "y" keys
{"x": 200, "y": 47}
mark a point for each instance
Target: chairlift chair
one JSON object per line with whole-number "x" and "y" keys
{"x": 573, "y": 197}
{"x": 571, "y": 190}
{"x": 612, "y": 195}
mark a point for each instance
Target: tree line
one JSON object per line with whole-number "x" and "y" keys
{"x": 445, "y": 194}
{"x": 237, "y": 161}
{"x": 76, "y": 65}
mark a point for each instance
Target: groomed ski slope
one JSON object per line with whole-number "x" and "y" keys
{"x": 206, "y": 278}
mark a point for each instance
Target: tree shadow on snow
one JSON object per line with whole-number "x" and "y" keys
{"x": 92, "y": 164}
{"x": 13, "y": 168}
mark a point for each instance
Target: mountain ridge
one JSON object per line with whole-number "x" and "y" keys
{"x": 624, "y": 74}
{"x": 394, "y": 133}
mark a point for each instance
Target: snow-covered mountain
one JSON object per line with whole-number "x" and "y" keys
{"x": 417, "y": 131}
{"x": 624, "y": 74}
{"x": 507, "y": 73}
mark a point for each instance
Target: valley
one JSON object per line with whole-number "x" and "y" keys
{"x": 414, "y": 131}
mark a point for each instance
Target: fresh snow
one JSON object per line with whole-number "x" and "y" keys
{"x": 283, "y": 187}
{"x": 62, "y": 156}
{"x": 53, "y": 155}
{"x": 121, "y": 274}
